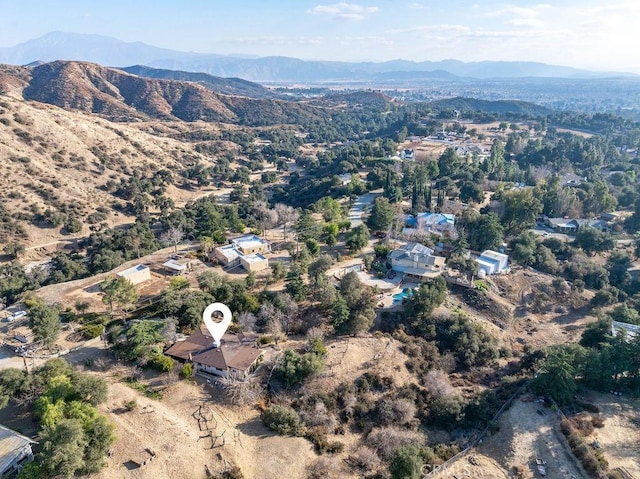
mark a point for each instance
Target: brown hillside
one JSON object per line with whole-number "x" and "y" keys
{"x": 120, "y": 96}
{"x": 61, "y": 160}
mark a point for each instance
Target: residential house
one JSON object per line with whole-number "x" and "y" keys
{"x": 246, "y": 251}
{"x": 408, "y": 154}
{"x": 136, "y": 274}
{"x": 441, "y": 224}
{"x": 254, "y": 262}
{"x": 492, "y": 262}
{"x": 571, "y": 226}
{"x": 417, "y": 260}
{"x": 236, "y": 356}
{"x": 15, "y": 450}
{"x": 563, "y": 225}
{"x": 572, "y": 180}
{"x": 345, "y": 178}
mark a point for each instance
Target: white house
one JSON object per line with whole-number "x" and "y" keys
{"x": 15, "y": 450}
{"x": 492, "y": 262}
{"x": 246, "y": 251}
{"x": 408, "y": 154}
{"x": 416, "y": 260}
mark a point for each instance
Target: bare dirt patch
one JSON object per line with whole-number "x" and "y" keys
{"x": 529, "y": 431}
{"x": 182, "y": 447}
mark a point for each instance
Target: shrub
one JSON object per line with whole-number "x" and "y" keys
{"x": 91, "y": 331}
{"x": 406, "y": 463}
{"x": 233, "y": 473}
{"x": 187, "y": 371}
{"x": 385, "y": 440}
{"x": 131, "y": 405}
{"x": 161, "y": 362}
{"x": 323, "y": 445}
{"x": 283, "y": 420}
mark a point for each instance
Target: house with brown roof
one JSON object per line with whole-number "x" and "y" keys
{"x": 237, "y": 355}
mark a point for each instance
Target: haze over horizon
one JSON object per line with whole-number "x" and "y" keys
{"x": 581, "y": 34}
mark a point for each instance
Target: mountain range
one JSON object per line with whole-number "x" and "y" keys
{"x": 113, "y": 52}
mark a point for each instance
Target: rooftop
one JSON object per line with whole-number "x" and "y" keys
{"x": 133, "y": 270}
{"x": 237, "y": 351}
{"x": 249, "y": 241}
{"x": 11, "y": 446}
{"x": 254, "y": 258}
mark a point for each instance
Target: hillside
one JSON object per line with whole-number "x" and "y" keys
{"x": 120, "y": 96}
{"x": 62, "y": 161}
{"x": 225, "y": 86}
{"x": 123, "y": 97}
{"x": 470, "y": 105}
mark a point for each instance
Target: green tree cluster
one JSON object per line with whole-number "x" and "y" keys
{"x": 74, "y": 436}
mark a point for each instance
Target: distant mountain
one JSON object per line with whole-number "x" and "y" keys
{"x": 471, "y": 105}
{"x": 225, "y": 86}
{"x": 113, "y": 52}
{"x": 84, "y": 47}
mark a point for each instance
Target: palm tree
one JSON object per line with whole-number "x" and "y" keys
{"x": 206, "y": 245}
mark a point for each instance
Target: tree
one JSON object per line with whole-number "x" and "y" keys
{"x": 295, "y": 284}
{"x": 14, "y": 250}
{"x": 521, "y": 209}
{"x": 172, "y": 236}
{"x": 286, "y": 216}
{"x": 485, "y": 232}
{"x": 358, "y": 238}
{"x": 118, "y": 290}
{"x": 44, "y": 321}
{"x": 471, "y": 192}
{"x": 319, "y": 267}
{"x": 406, "y": 463}
{"x": 556, "y": 376}
{"x": 63, "y": 448}
{"x": 418, "y": 308}
{"x": 382, "y": 214}
{"x": 593, "y": 241}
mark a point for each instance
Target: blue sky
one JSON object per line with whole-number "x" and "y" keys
{"x": 599, "y": 35}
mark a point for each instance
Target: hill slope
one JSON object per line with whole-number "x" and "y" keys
{"x": 120, "y": 96}
{"x": 225, "y": 86}
{"x": 65, "y": 161}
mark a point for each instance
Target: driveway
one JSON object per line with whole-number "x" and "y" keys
{"x": 358, "y": 209}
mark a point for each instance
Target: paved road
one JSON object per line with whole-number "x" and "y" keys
{"x": 357, "y": 210}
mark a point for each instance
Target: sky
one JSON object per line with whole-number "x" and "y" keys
{"x": 597, "y": 35}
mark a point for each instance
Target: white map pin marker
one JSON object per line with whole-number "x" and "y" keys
{"x": 217, "y": 328}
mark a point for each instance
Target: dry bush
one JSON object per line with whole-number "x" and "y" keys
{"x": 438, "y": 383}
{"x": 326, "y": 468}
{"x": 385, "y": 440}
{"x": 365, "y": 459}
{"x": 583, "y": 424}
{"x": 239, "y": 392}
{"x": 597, "y": 421}
{"x": 319, "y": 416}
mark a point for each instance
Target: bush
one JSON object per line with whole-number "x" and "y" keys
{"x": 187, "y": 371}
{"x": 406, "y": 463}
{"x": 323, "y": 445}
{"x": 161, "y": 363}
{"x": 131, "y": 405}
{"x": 283, "y": 420}
{"x": 91, "y": 331}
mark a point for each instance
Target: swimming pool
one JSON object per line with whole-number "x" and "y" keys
{"x": 406, "y": 293}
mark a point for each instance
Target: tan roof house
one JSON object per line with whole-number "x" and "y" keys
{"x": 237, "y": 355}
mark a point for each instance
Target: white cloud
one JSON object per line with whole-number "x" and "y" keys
{"x": 344, "y": 11}
{"x": 418, "y": 6}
